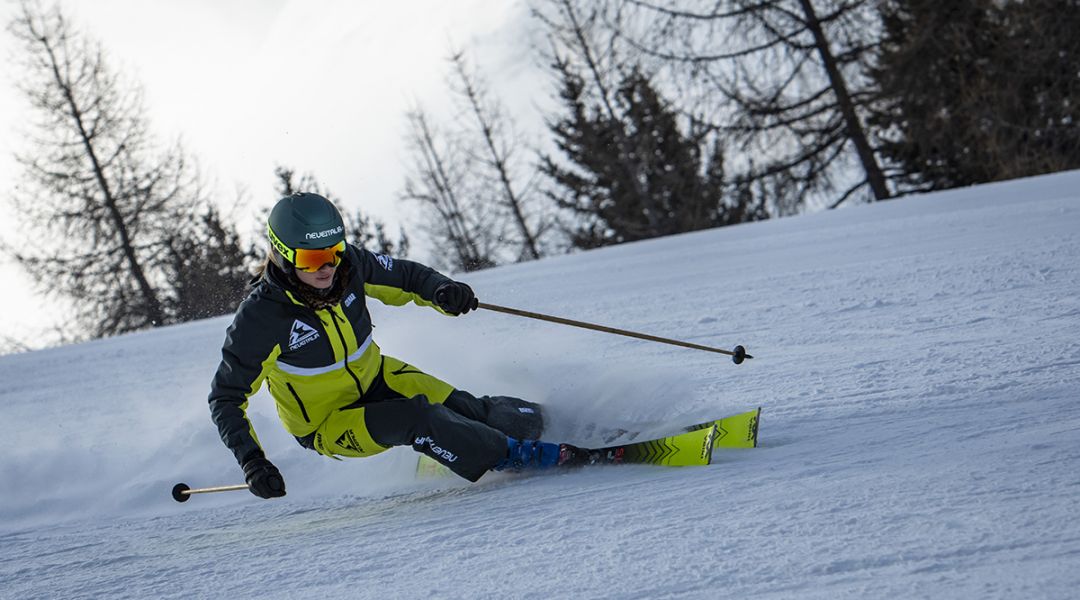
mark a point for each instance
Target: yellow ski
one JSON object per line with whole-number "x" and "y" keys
{"x": 736, "y": 431}
{"x": 683, "y": 450}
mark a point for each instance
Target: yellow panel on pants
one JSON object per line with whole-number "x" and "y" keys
{"x": 344, "y": 432}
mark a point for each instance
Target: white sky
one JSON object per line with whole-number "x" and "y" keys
{"x": 320, "y": 86}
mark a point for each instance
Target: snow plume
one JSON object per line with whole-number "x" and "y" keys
{"x": 611, "y": 382}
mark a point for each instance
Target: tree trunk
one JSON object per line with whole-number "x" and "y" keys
{"x": 853, "y": 126}
{"x": 498, "y": 159}
{"x": 153, "y": 305}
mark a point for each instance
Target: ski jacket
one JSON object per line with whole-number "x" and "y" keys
{"x": 314, "y": 361}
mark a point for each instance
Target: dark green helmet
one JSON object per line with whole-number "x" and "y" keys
{"x": 302, "y": 222}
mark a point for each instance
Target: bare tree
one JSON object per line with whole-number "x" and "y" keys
{"x": 10, "y": 345}
{"x": 472, "y": 179}
{"x": 466, "y": 235}
{"x": 104, "y": 205}
{"x": 783, "y": 78}
{"x": 498, "y": 156}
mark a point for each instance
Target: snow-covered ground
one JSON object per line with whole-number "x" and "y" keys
{"x": 918, "y": 362}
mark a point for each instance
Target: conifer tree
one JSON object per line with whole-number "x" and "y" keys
{"x": 629, "y": 171}
{"x": 975, "y": 91}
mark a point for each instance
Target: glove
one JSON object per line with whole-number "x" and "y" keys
{"x": 263, "y": 478}
{"x": 455, "y": 298}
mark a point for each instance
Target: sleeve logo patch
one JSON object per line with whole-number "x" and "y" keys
{"x": 386, "y": 262}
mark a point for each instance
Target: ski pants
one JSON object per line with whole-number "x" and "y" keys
{"x": 407, "y": 407}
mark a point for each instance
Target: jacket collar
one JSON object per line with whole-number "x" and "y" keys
{"x": 286, "y": 289}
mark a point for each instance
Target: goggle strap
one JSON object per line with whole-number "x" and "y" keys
{"x": 280, "y": 246}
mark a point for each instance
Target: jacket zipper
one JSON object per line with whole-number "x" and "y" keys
{"x": 345, "y": 345}
{"x": 303, "y": 411}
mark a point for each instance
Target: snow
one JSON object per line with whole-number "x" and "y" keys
{"x": 918, "y": 363}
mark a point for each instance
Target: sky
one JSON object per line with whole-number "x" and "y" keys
{"x": 319, "y": 86}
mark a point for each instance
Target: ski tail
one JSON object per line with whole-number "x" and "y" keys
{"x": 736, "y": 431}
{"x": 429, "y": 468}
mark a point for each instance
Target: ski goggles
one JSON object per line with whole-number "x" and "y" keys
{"x": 309, "y": 259}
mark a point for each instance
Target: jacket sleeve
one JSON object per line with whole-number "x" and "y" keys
{"x": 396, "y": 281}
{"x": 248, "y": 351}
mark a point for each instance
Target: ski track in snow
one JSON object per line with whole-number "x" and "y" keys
{"x": 918, "y": 363}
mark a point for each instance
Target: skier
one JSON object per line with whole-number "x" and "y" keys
{"x": 306, "y": 330}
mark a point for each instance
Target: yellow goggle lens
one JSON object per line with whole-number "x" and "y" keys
{"x": 311, "y": 260}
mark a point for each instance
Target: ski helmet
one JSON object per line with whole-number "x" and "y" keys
{"x": 306, "y": 232}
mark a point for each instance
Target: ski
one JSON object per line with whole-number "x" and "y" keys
{"x": 736, "y": 431}
{"x": 690, "y": 448}
{"x": 682, "y": 450}
{"x": 429, "y": 468}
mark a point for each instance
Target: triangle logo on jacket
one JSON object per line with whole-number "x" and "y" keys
{"x": 301, "y": 335}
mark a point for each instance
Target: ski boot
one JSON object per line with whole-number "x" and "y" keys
{"x": 534, "y": 454}
{"x": 529, "y": 454}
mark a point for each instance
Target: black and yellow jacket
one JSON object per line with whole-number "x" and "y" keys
{"x": 315, "y": 361}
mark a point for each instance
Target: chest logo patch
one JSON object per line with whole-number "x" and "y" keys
{"x": 301, "y": 335}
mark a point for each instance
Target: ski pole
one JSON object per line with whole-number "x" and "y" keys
{"x": 738, "y": 354}
{"x": 182, "y": 493}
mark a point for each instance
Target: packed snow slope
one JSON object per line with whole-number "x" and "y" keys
{"x": 918, "y": 362}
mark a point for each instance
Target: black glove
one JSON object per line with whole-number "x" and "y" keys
{"x": 455, "y": 298}
{"x": 263, "y": 478}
